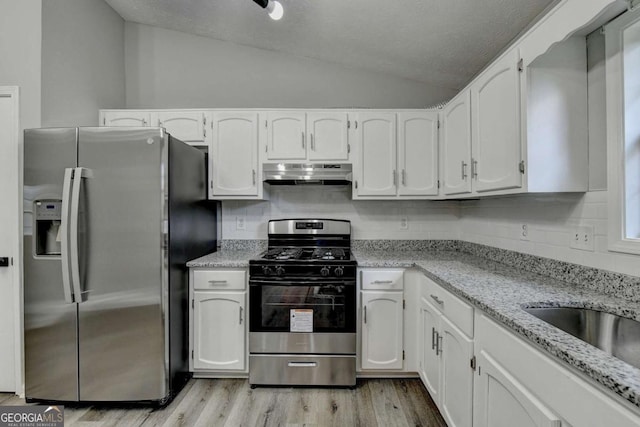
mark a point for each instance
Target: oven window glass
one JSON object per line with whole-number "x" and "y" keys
{"x": 333, "y": 306}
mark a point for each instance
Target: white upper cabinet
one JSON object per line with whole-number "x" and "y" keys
{"x": 328, "y": 136}
{"x": 187, "y": 126}
{"x": 314, "y": 136}
{"x": 455, "y": 147}
{"x": 234, "y": 165}
{"x": 418, "y": 154}
{"x": 286, "y": 135}
{"x": 376, "y": 173}
{"x": 495, "y": 124}
{"x": 125, "y": 118}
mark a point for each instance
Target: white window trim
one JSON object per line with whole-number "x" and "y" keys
{"x": 617, "y": 240}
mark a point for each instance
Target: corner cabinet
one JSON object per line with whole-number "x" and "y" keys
{"x": 455, "y": 146}
{"x": 382, "y": 319}
{"x": 218, "y": 322}
{"x": 397, "y": 155}
{"x": 234, "y": 171}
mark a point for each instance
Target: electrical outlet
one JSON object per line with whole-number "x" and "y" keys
{"x": 240, "y": 223}
{"x": 404, "y": 223}
{"x": 524, "y": 232}
{"x": 582, "y": 238}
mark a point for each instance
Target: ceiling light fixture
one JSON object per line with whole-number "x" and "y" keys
{"x": 274, "y": 8}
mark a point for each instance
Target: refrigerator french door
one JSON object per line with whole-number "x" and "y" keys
{"x": 105, "y": 283}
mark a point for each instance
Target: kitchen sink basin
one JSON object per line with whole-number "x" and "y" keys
{"x": 616, "y": 335}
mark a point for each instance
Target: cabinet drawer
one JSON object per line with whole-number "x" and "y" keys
{"x": 219, "y": 279}
{"x": 457, "y": 311}
{"x": 392, "y": 280}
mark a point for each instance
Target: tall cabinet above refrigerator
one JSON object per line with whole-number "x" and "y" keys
{"x": 111, "y": 216}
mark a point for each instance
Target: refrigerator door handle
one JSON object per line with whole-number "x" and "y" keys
{"x": 73, "y": 230}
{"x": 64, "y": 235}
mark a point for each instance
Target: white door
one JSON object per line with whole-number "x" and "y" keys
{"x": 377, "y": 174}
{"x": 187, "y": 126}
{"x": 455, "y": 147}
{"x": 382, "y": 325}
{"x": 418, "y": 154}
{"x": 328, "y": 136}
{"x": 286, "y": 135}
{"x": 500, "y": 400}
{"x": 10, "y": 231}
{"x": 234, "y": 154}
{"x": 456, "y": 402}
{"x": 495, "y": 119}
{"x": 429, "y": 353}
{"x": 218, "y": 330}
{"x": 125, "y": 118}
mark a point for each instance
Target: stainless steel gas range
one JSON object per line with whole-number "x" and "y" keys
{"x": 302, "y": 302}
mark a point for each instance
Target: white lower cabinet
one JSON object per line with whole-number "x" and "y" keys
{"x": 382, "y": 319}
{"x": 218, "y": 321}
{"x": 445, "y": 353}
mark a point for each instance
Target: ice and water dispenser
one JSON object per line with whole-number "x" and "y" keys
{"x": 47, "y": 230}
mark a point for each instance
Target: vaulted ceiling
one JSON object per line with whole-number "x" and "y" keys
{"x": 441, "y": 42}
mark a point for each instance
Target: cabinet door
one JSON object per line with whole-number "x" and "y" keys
{"x": 187, "y": 126}
{"x": 286, "y": 136}
{"x": 234, "y": 154}
{"x": 219, "y": 330}
{"x": 376, "y": 164}
{"x": 456, "y": 402}
{"x": 418, "y": 154}
{"x": 125, "y": 118}
{"x": 495, "y": 118}
{"x": 328, "y": 136}
{"x": 382, "y": 325}
{"x": 455, "y": 147}
{"x": 501, "y": 401}
{"x": 429, "y": 365}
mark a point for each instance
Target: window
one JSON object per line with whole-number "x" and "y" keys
{"x": 623, "y": 131}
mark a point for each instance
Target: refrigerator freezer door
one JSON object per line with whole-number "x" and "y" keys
{"x": 50, "y": 320}
{"x": 122, "y": 224}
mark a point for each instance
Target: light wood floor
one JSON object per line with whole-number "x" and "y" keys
{"x": 402, "y": 402}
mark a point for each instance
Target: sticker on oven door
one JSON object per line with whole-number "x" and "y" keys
{"x": 301, "y": 320}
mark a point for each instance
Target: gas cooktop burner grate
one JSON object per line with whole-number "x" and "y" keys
{"x": 283, "y": 254}
{"x": 328, "y": 254}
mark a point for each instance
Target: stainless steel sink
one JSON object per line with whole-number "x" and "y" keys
{"x": 611, "y": 333}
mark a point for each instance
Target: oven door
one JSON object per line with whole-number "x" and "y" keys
{"x": 302, "y": 306}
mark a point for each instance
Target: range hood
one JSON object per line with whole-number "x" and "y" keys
{"x": 297, "y": 174}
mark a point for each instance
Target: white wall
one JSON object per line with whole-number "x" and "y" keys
{"x": 169, "y": 69}
{"x": 82, "y": 61}
{"x": 20, "y": 55}
{"x": 551, "y": 221}
{"x": 369, "y": 219}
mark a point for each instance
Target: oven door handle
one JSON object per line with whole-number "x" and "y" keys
{"x": 258, "y": 282}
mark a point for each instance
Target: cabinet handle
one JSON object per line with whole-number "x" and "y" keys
{"x": 404, "y": 177}
{"x": 241, "y": 315}
{"x": 436, "y": 299}
{"x": 365, "y": 314}
{"x": 433, "y": 338}
{"x": 439, "y": 345}
{"x": 474, "y": 168}
{"x": 381, "y": 282}
{"x": 464, "y": 170}
{"x": 302, "y": 139}
{"x": 313, "y": 145}
{"x": 159, "y": 123}
{"x": 144, "y": 122}
{"x": 395, "y": 178}
{"x": 218, "y": 282}
{"x": 254, "y": 176}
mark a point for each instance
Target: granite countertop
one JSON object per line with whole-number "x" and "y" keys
{"x": 501, "y": 291}
{"x": 226, "y": 258}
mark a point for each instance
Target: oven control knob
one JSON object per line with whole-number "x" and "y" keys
{"x": 279, "y": 270}
{"x": 339, "y": 271}
{"x": 324, "y": 271}
{"x": 266, "y": 270}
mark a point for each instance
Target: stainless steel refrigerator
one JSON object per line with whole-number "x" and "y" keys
{"x": 111, "y": 216}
